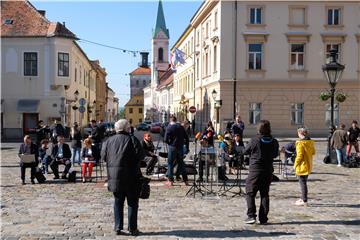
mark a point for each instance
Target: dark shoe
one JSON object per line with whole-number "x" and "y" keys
{"x": 90, "y": 179}
{"x": 63, "y": 177}
{"x": 120, "y": 232}
{"x": 250, "y": 220}
{"x": 32, "y": 181}
{"x": 23, "y": 182}
{"x": 178, "y": 179}
{"x": 56, "y": 177}
{"x": 135, "y": 232}
{"x": 199, "y": 180}
{"x": 263, "y": 223}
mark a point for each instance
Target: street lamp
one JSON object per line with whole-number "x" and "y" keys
{"x": 333, "y": 72}
{"x": 217, "y": 105}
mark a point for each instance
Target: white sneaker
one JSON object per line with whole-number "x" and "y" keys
{"x": 300, "y": 202}
{"x": 339, "y": 165}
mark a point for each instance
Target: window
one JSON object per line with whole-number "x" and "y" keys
{"x": 215, "y": 58}
{"x": 63, "y": 65}
{"x": 140, "y": 120}
{"x": 254, "y": 113}
{"x": 337, "y": 47}
{"x": 8, "y": 21}
{"x": 255, "y": 56}
{"x": 333, "y": 16}
{"x": 137, "y": 83}
{"x": 216, "y": 20}
{"x": 197, "y": 69}
{"x": 207, "y": 30}
{"x": 85, "y": 94}
{"x": 198, "y": 37}
{"x": 30, "y": 64}
{"x": 75, "y": 74}
{"x": 144, "y": 82}
{"x": 297, "y": 113}
{"x": 297, "y": 16}
{"x": 140, "y": 110}
{"x": 206, "y": 64}
{"x": 255, "y": 16}
{"x": 328, "y": 115}
{"x": 130, "y": 120}
{"x": 160, "y": 55}
{"x": 297, "y": 56}
{"x": 130, "y": 110}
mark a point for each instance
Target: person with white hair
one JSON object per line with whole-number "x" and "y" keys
{"x": 122, "y": 153}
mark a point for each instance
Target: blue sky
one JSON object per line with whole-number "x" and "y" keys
{"x": 123, "y": 24}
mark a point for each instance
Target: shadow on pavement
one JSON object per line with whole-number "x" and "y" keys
{"x": 326, "y": 222}
{"x": 217, "y": 233}
{"x": 327, "y": 173}
{"x": 341, "y": 205}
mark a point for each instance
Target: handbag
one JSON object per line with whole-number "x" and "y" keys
{"x": 144, "y": 188}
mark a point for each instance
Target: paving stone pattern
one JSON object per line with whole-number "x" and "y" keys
{"x": 61, "y": 210}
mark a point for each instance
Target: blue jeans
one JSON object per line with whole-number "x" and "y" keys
{"x": 45, "y": 161}
{"x": 133, "y": 205}
{"x": 74, "y": 151}
{"x": 341, "y": 154}
{"x": 177, "y": 155}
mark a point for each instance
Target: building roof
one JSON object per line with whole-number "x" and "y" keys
{"x": 160, "y": 22}
{"x": 137, "y": 100}
{"x": 166, "y": 78}
{"x": 141, "y": 71}
{"x": 26, "y": 21}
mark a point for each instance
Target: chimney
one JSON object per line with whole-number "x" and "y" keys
{"x": 64, "y": 24}
{"x": 42, "y": 12}
{"x": 144, "y": 59}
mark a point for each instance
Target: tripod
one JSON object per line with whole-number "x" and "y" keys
{"x": 237, "y": 182}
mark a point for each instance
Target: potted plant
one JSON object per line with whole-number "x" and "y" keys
{"x": 325, "y": 96}
{"x": 340, "y": 97}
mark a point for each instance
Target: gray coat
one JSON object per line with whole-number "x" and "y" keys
{"x": 339, "y": 139}
{"x": 122, "y": 154}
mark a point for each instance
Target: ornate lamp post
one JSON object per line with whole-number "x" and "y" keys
{"x": 333, "y": 72}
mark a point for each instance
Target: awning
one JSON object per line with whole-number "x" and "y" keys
{"x": 27, "y": 105}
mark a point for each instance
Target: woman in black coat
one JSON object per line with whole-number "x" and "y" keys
{"x": 75, "y": 137}
{"x": 28, "y": 147}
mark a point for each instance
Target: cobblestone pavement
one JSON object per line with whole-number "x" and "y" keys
{"x": 61, "y": 210}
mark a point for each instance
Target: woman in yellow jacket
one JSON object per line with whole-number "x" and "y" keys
{"x": 303, "y": 162}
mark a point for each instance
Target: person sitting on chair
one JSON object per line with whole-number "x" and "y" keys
{"x": 61, "y": 154}
{"x": 28, "y": 147}
{"x": 90, "y": 155}
{"x": 150, "y": 157}
{"x": 227, "y": 147}
{"x": 44, "y": 155}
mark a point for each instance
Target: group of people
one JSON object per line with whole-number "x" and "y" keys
{"x": 343, "y": 141}
{"x": 51, "y": 150}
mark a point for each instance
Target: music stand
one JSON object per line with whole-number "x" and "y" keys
{"x": 210, "y": 172}
{"x": 195, "y": 187}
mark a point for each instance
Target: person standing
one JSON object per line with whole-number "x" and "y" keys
{"x": 303, "y": 162}
{"x": 339, "y": 141}
{"x": 76, "y": 137}
{"x": 122, "y": 154}
{"x": 27, "y": 148}
{"x": 176, "y": 138}
{"x": 354, "y": 133}
{"x": 61, "y": 154}
{"x": 96, "y": 134}
{"x": 42, "y": 132}
{"x": 209, "y": 132}
{"x": 238, "y": 127}
{"x": 262, "y": 149}
{"x": 57, "y": 129}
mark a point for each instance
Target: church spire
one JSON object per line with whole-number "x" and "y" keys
{"x": 160, "y": 22}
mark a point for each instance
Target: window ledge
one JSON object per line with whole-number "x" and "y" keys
{"x": 255, "y": 70}
{"x": 340, "y": 26}
{"x": 262, "y": 25}
{"x": 298, "y": 70}
{"x": 290, "y": 25}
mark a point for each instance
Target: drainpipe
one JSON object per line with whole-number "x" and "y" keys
{"x": 235, "y": 63}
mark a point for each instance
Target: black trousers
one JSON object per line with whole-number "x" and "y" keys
{"x": 258, "y": 181}
{"x": 133, "y": 205}
{"x": 23, "y": 167}
{"x": 150, "y": 163}
{"x": 303, "y": 187}
{"x": 54, "y": 165}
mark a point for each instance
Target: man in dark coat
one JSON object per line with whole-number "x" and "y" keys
{"x": 28, "y": 147}
{"x": 96, "y": 134}
{"x": 42, "y": 132}
{"x": 238, "y": 127}
{"x": 177, "y": 139}
{"x": 122, "y": 154}
{"x": 57, "y": 129}
{"x": 61, "y": 154}
{"x": 262, "y": 149}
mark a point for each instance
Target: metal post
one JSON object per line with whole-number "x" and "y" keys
{"x": 332, "y": 127}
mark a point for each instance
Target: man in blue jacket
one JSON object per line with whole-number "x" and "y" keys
{"x": 176, "y": 138}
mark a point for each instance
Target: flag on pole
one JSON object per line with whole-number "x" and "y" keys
{"x": 177, "y": 57}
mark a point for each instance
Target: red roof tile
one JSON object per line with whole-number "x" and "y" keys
{"x": 141, "y": 71}
{"x": 28, "y": 22}
{"x": 166, "y": 78}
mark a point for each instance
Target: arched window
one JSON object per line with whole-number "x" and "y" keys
{"x": 160, "y": 55}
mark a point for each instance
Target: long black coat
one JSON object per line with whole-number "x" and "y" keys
{"x": 122, "y": 154}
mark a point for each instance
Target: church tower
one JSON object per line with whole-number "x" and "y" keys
{"x": 160, "y": 45}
